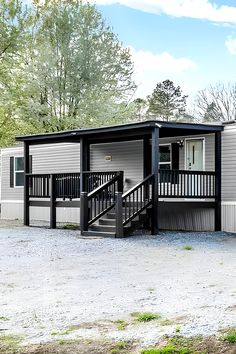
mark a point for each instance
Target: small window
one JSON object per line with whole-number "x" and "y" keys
{"x": 19, "y": 171}
{"x": 165, "y": 157}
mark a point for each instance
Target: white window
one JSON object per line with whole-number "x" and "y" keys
{"x": 19, "y": 171}
{"x": 165, "y": 157}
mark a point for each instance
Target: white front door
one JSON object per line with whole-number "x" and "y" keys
{"x": 194, "y": 155}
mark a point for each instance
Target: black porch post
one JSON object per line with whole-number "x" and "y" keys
{"x": 84, "y": 161}
{"x": 155, "y": 167}
{"x": 26, "y": 183}
{"x": 84, "y": 166}
{"x": 146, "y": 157}
{"x": 218, "y": 181}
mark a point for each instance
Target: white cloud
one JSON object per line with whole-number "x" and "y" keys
{"x": 150, "y": 68}
{"x": 198, "y": 9}
{"x": 231, "y": 45}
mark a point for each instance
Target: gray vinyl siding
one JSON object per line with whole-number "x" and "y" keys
{"x": 125, "y": 156}
{"x": 55, "y": 158}
{"x": 229, "y": 163}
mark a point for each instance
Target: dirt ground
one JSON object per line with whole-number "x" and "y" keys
{"x": 61, "y": 293}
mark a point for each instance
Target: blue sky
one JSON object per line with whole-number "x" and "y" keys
{"x": 192, "y": 42}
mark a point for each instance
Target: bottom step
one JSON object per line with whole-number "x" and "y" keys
{"x": 98, "y": 233}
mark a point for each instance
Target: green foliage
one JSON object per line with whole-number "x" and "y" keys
{"x": 61, "y": 67}
{"x": 145, "y": 316}
{"x": 167, "y": 350}
{"x": 230, "y": 337}
{"x": 187, "y": 248}
{"x": 3, "y": 318}
{"x": 71, "y": 226}
{"x": 167, "y": 102}
{"x": 9, "y": 342}
{"x": 119, "y": 347}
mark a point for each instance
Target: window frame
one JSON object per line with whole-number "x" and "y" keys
{"x": 166, "y": 163}
{"x": 15, "y": 172}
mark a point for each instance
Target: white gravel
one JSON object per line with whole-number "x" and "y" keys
{"x": 53, "y": 279}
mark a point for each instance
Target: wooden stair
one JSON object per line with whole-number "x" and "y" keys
{"x": 106, "y": 225}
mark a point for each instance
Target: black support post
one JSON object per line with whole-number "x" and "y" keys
{"x": 119, "y": 215}
{"x": 146, "y": 157}
{"x": 218, "y": 181}
{"x": 155, "y": 167}
{"x": 84, "y": 212}
{"x": 53, "y": 216}
{"x": 84, "y": 161}
{"x": 84, "y": 166}
{"x": 26, "y": 183}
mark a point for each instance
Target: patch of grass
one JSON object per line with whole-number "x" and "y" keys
{"x": 166, "y": 322}
{"x": 187, "y": 248}
{"x": 121, "y": 324}
{"x": 119, "y": 347}
{"x": 71, "y": 227}
{"x": 167, "y": 350}
{"x": 151, "y": 290}
{"x": 62, "y": 333}
{"x": 145, "y": 316}
{"x": 9, "y": 342}
{"x": 177, "y": 328}
{"x": 3, "y": 318}
{"x": 230, "y": 337}
{"x": 177, "y": 345}
{"x": 122, "y": 327}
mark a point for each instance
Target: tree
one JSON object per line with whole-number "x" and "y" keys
{"x": 217, "y": 103}
{"x": 140, "y": 108}
{"x": 167, "y": 101}
{"x": 77, "y": 72}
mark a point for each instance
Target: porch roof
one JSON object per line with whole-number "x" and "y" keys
{"x": 131, "y": 131}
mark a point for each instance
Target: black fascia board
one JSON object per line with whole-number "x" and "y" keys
{"x": 121, "y": 131}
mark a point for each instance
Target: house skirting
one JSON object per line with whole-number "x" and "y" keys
{"x": 14, "y": 210}
{"x": 172, "y": 215}
{"x": 186, "y": 216}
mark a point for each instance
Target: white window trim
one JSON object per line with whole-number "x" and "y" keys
{"x": 167, "y": 163}
{"x": 15, "y": 157}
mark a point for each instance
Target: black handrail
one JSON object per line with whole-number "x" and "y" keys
{"x": 93, "y": 179}
{"x": 137, "y": 199}
{"x": 98, "y": 202}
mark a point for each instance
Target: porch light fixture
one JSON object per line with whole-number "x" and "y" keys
{"x": 181, "y": 143}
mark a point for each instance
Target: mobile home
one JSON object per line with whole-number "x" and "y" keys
{"x": 111, "y": 180}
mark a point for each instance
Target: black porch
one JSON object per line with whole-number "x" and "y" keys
{"x": 99, "y": 193}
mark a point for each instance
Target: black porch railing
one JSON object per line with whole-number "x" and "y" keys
{"x": 186, "y": 184}
{"x": 172, "y": 184}
{"x": 137, "y": 199}
{"x": 67, "y": 185}
{"x": 98, "y": 202}
{"x": 93, "y": 180}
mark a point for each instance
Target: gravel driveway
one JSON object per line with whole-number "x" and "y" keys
{"x": 54, "y": 279}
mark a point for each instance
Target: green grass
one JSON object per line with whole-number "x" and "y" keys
{"x": 9, "y": 342}
{"x": 71, "y": 226}
{"x": 177, "y": 328}
{"x": 230, "y": 337}
{"x": 166, "y": 322}
{"x": 167, "y": 350}
{"x": 188, "y": 248}
{"x": 3, "y": 318}
{"x": 121, "y": 324}
{"x": 119, "y": 347}
{"x": 62, "y": 333}
{"x": 145, "y": 316}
